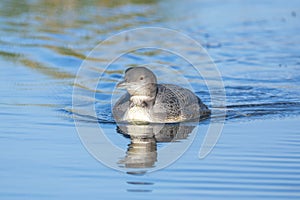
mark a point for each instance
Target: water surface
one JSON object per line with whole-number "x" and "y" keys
{"x": 255, "y": 45}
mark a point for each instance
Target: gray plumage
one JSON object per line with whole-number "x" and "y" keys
{"x": 147, "y": 101}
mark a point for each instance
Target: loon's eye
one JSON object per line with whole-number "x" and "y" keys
{"x": 141, "y": 78}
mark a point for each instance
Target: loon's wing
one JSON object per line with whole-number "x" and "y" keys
{"x": 178, "y": 104}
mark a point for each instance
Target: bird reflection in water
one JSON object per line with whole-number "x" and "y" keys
{"x": 142, "y": 150}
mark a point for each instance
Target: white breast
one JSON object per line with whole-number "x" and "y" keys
{"x": 137, "y": 113}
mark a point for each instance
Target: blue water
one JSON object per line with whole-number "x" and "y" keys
{"x": 255, "y": 45}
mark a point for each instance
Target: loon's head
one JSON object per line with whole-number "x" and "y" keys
{"x": 139, "y": 81}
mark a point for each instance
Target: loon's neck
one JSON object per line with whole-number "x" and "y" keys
{"x": 140, "y": 109}
{"x": 141, "y": 101}
{"x": 144, "y": 96}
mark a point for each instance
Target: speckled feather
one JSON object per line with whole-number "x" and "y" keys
{"x": 172, "y": 104}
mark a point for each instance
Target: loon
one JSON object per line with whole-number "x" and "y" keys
{"x": 150, "y": 102}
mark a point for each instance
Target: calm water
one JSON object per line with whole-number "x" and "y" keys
{"x": 255, "y": 45}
